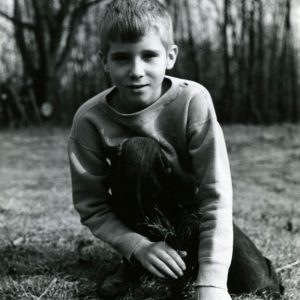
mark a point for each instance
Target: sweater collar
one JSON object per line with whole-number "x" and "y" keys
{"x": 156, "y": 106}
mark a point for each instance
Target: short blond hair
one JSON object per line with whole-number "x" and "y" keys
{"x": 129, "y": 20}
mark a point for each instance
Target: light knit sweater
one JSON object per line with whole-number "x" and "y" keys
{"x": 183, "y": 122}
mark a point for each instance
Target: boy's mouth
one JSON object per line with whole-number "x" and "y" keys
{"x": 136, "y": 86}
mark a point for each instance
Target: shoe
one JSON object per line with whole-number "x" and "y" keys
{"x": 118, "y": 283}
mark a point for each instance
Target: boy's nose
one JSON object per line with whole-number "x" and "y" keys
{"x": 136, "y": 70}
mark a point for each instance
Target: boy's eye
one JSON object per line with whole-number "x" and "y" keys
{"x": 150, "y": 55}
{"x": 120, "y": 57}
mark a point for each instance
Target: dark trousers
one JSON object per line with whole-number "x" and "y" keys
{"x": 147, "y": 197}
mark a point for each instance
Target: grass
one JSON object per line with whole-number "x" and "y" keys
{"x": 46, "y": 254}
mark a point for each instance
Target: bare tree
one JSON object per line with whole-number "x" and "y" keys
{"x": 260, "y": 69}
{"x": 242, "y": 50}
{"x": 251, "y": 99}
{"x": 286, "y": 83}
{"x": 226, "y": 91}
{"x": 44, "y": 34}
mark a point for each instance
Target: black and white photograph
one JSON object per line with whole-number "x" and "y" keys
{"x": 149, "y": 149}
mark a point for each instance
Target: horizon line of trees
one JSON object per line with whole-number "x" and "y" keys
{"x": 243, "y": 51}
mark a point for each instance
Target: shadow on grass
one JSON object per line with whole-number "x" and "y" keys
{"x": 27, "y": 271}
{"x": 78, "y": 272}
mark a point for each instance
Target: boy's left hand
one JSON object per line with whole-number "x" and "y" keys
{"x": 211, "y": 293}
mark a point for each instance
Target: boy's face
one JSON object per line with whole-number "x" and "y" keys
{"x": 138, "y": 69}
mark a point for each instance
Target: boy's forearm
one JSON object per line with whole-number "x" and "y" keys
{"x": 208, "y": 150}
{"x": 90, "y": 198}
{"x": 215, "y": 244}
{"x": 112, "y": 231}
{"x": 215, "y": 234}
{"x": 98, "y": 216}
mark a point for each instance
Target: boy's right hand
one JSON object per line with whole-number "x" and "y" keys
{"x": 160, "y": 259}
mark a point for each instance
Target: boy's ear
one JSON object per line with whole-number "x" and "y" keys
{"x": 103, "y": 60}
{"x": 172, "y": 55}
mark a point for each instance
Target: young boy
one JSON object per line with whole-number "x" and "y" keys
{"x": 153, "y": 141}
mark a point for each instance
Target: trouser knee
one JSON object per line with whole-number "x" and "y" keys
{"x": 142, "y": 155}
{"x": 138, "y": 175}
{"x": 250, "y": 271}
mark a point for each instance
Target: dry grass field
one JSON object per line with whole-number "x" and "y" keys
{"x": 46, "y": 254}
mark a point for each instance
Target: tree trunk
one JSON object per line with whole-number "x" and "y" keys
{"x": 226, "y": 94}
{"x": 293, "y": 115}
{"x": 253, "y": 113}
{"x": 193, "y": 51}
{"x": 242, "y": 65}
{"x": 45, "y": 42}
{"x": 282, "y": 94}
{"x": 260, "y": 74}
{"x": 294, "y": 86}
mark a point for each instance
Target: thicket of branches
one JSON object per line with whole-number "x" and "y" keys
{"x": 243, "y": 51}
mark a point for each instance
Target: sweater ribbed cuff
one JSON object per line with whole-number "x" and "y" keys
{"x": 129, "y": 242}
{"x": 212, "y": 275}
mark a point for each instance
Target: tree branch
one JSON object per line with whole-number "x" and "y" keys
{"x": 41, "y": 34}
{"x": 288, "y": 266}
{"x": 86, "y": 4}
{"x": 57, "y": 28}
{"x": 17, "y": 22}
{"x": 75, "y": 18}
{"x": 20, "y": 41}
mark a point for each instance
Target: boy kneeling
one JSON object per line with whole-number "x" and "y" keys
{"x": 151, "y": 146}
